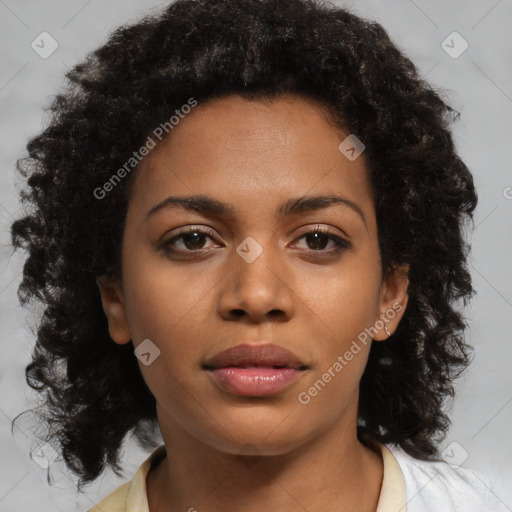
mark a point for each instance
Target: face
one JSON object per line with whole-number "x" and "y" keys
{"x": 255, "y": 272}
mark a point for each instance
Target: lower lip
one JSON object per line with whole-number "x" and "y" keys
{"x": 254, "y": 381}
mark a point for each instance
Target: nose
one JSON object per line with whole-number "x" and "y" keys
{"x": 259, "y": 290}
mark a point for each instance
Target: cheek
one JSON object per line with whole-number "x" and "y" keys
{"x": 161, "y": 297}
{"x": 340, "y": 310}
{"x": 343, "y": 303}
{"x": 170, "y": 307}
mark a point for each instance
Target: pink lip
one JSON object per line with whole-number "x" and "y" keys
{"x": 254, "y": 370}
{"x": 261, "y": 381}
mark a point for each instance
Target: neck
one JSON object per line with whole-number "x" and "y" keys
{"x": 332, "y": 471}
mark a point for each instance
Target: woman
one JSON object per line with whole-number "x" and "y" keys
{"x": 246, "y": 229}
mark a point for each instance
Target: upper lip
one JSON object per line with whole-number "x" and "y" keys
{"x": 250, "y": 354}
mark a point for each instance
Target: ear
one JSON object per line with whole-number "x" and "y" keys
{"x": 112, "y": 300}
{"x": 392, "y": 302}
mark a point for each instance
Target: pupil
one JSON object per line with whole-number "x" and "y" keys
{"x": 315, "y": 237}
{"x": 196, "y": 237}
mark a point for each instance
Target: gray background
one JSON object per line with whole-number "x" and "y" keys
{"x": 478, "y": 83}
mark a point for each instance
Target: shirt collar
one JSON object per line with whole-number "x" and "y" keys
{"x": 393, "y": 495}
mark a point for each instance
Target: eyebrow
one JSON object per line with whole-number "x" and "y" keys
{"x": 208, "y": 205}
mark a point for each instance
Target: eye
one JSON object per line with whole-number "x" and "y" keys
{"x": 319, "y": 237}
{"x": 192, "y": 240}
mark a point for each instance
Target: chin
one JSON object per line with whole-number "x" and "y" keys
{"x": 258, "y": 435}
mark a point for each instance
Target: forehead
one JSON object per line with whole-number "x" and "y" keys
{"x": 243, "y": 151}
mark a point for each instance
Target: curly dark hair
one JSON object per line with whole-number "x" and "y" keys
{"x": 423, "y": 193}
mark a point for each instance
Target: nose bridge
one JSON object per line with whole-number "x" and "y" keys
{"x": 256, "y": 265}
{"x": 257, "y": 282}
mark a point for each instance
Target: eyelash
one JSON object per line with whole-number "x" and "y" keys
{"x": 341, "y": 244}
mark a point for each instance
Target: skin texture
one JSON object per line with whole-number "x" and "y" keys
{"x": 254, "y": 155}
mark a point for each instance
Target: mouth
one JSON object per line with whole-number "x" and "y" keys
{"x": 254, "y": 370}
{"x": 253, "y": 356}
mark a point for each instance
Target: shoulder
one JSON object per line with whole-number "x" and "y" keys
{"x": 114, "y": 502}
{"x": 436, "y": 485}
{"x": 132, "y": 495}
